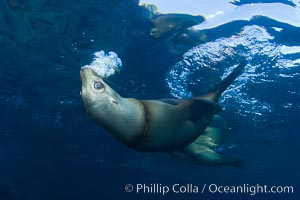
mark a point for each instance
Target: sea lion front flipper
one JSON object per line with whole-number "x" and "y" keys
{"x": 204, "y": 155}
{"x": 216, "y": 93}
{"x": 199, "y": 108}
{"x": 201, "y": 154}
{"x": 211, "y": 137}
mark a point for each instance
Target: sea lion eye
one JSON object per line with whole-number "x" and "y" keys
{"x": 98, "y": 85}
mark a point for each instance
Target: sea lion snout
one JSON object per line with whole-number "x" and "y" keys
{"x": 88, "y": 76}
{"x": 87, "y": 73}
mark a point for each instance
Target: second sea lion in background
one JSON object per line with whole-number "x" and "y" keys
{"x": 168, "y": 26}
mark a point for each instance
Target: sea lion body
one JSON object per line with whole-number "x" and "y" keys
{"x": 165, "y": 121}
{"x": 151, "y": 125}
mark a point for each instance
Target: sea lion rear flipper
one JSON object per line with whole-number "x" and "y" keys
{"x": 199, "y": 108}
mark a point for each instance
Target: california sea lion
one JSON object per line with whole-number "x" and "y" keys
{"x": 169, "y": 25}
{"x": 155, "y": 125}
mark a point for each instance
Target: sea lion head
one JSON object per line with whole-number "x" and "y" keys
{"x": 123, "y": 118}
{"x": 95, "y": 92}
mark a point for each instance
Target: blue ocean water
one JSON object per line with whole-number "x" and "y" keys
{"x": 50, "y": 148}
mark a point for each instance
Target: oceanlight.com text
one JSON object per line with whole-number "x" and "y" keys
{"x": 250, "y": 189}
{"x": 157, "y": 188}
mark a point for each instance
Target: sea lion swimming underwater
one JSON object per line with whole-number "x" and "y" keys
{"x": 167, "y": 26}
{"x": 167, "y": 125}
{"x": 170, "y": 25}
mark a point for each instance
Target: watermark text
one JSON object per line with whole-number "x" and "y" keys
{"x": 189, "y": 188}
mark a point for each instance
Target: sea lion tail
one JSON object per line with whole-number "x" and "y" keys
{"x": 217, "y": 91}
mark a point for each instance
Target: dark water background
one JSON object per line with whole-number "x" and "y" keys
{"x": 51, "y": 150}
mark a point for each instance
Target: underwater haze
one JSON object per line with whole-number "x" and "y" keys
{"x": 50, "y": 149}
